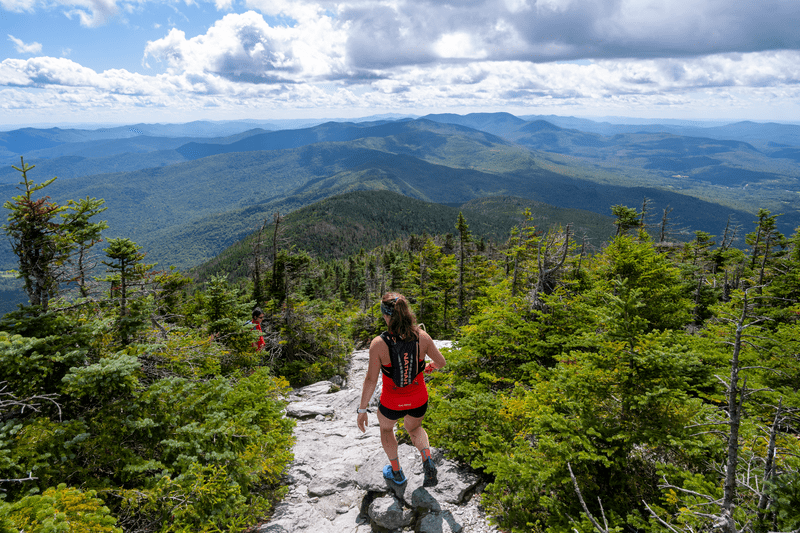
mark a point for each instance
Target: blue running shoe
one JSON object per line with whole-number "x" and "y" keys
{"x": 391, "y": 475}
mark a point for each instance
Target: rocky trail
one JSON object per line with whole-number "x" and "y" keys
{"x": 336, "y": 481}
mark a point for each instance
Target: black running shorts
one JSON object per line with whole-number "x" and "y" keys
{"x": 391, "y": 414}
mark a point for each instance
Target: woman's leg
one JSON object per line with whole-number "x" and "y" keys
{"x": 415, "y": 430}
{"x": 420, "y": 439}
{"x": 388, "y": 440}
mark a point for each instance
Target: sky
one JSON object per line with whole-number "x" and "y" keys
{"x": 131, "y": 61}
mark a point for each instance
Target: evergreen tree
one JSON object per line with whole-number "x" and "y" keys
{"x": 228, "y": 313}
{"x": 126, "y": 275}
{"x": 40, "y": 243}
{"x": 627, "y": 219}
{"x": 85, "y": 234}
{"x": 444, "y": 281}
{"x": 763, "y": 242}
{"x": 784, "y": 290}
{"x": 700, "y": 265}
{"x": 522, "y": 243}
{"x": 666, "y": 300}
{"x": 259, "y": 295}
{"x": 464, "y": 240}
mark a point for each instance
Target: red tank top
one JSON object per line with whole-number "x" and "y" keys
{"x": 402, "y": 398}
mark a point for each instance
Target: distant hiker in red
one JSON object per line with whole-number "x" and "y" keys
{"x": 399, "y": 354}
{"x": 258, "y": 317}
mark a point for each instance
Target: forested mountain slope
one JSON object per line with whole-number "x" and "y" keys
{"x": 279, "y": 140}
{"x": 760, "y": 134}
{"x": 340, "y": 226}
{"x": 187, "y": 213}
{"x": 25, "y": 140}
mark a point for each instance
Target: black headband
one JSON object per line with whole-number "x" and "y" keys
{"x": 386, "y": 310}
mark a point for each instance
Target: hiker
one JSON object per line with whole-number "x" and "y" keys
{"x": 258, "y": 317}
{"x": 399, "y": 354}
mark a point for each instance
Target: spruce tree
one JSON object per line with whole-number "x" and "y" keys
{"x": 126, "y": 271}
{"x": 464, "y": 238}
{"x": 84, "y": 235}
{"x": 627, "y": 218}
{"x": 37, "y": 239}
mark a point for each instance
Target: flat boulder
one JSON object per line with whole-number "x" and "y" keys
{"x": 330, "y": 481}
{"x": 315, "y": 389}
{"x": 308, "y": 409}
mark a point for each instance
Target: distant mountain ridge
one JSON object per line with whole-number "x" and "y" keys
{"x": 184, "y": 208}
{"x": 756, "y": 133}
{"x": 26, "y": 140}
{"x": 328, "y": 132}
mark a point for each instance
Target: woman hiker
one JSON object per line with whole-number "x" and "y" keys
{"x": 258, "y": 317}
{"x": 400, "y": 354}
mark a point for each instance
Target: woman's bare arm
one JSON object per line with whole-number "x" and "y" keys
{"x": 430, "y": 349}
{"x": 370, "y": 381}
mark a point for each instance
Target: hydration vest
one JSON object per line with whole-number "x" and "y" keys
{"x": 404, "y": 355}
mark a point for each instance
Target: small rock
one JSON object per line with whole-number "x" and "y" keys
{"x": 388, "y": 512}
{"x": 351, "y": 522}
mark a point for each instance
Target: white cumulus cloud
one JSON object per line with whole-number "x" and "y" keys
{"x": 18, "y": 6}
{"x": 25, "y": 48}
{"x": 447, "y": 54}
{"x": 245, "y": 48}
{"x": 91, "y": 13}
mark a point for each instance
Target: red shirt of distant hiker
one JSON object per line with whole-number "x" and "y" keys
{"x": 409, "y": 402}
{"x": 258, "y": 317}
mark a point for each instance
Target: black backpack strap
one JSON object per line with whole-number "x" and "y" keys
{"x": 402, "y": 375}
{"x": 390, "y": 341}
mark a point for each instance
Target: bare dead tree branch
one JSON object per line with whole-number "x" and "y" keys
{"x": 30, "y": 477}
{"x": 597, "y": 526}
{"x": 658, "y": 518}
{"x": 9, "y": 400}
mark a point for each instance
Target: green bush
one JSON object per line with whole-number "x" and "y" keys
{"x": 315, "y": 342}
{"x": 59, "y": 509}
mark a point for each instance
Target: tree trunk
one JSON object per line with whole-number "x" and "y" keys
{"x": 735, "y": 400}
{"x": 275, "y": 282}
{"x": 763, "y": 499}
